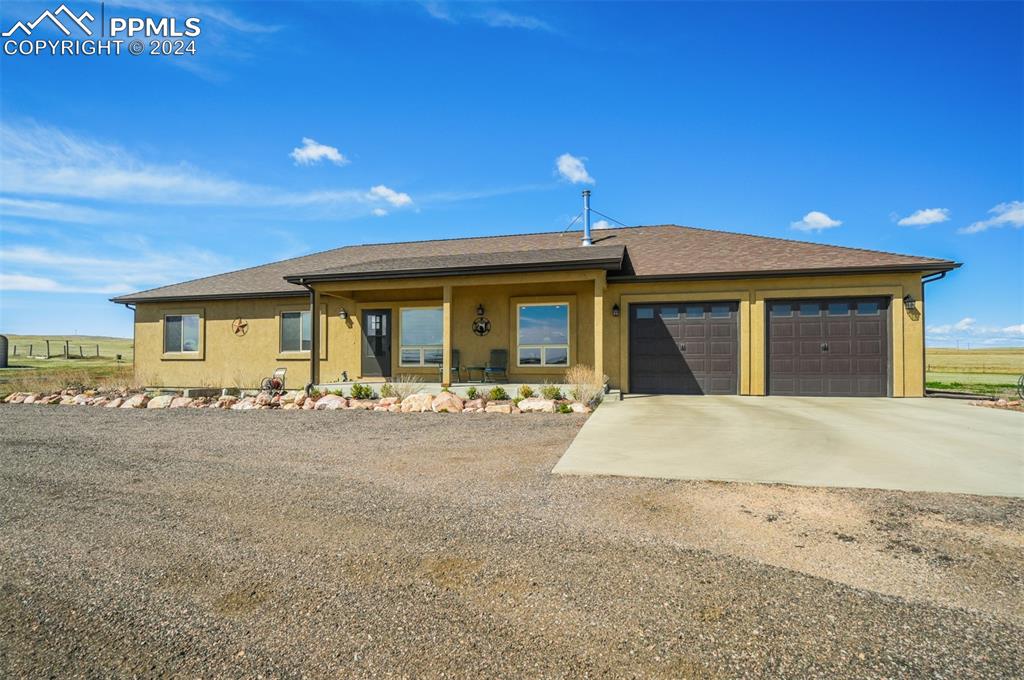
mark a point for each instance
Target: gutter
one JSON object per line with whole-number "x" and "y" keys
{"x": 314, "y": 344}
{"x": 609, "y": 263}
{"x": 129, "y": 299}
{"x": 942, "y": 267}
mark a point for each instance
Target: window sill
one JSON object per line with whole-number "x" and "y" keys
{"x": 293, "y": 356}
{"x": 181, "y": 356}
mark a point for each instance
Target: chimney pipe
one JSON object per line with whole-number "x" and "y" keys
{"x": 586, "y": 218}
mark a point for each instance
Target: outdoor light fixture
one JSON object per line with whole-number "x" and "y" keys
{"x": 908, "y": 302}
{"x": 479, "y": 310}
{"x": 342, "y": 314}
{"x": 615, "y": 310}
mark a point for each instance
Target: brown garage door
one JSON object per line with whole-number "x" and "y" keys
{"x": 837, "y": 347}
{"x": 684, "y": 348}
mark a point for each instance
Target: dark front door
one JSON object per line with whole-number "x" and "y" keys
{"x": 377, "y": 342}
{"x": 837, "y": 347}
{"x": 684, "y": 348}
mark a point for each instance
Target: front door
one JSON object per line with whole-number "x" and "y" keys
{"x": 377, "y": 342}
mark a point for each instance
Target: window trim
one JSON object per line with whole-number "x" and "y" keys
{"x": 421, "y": 349}
{"x": 280, "y": 331}
{"x": 198, "y": 354}
{"x": 567, "y": 345}
{"x": 181, "y": 340}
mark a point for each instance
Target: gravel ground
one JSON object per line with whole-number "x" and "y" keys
{"x": 212, "y": 543}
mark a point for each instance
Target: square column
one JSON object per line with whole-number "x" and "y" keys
{"x": 446, "y": 338}
{"x": 599, "y": 285}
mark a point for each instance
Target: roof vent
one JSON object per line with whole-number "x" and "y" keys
{"x": 586, "y": 218}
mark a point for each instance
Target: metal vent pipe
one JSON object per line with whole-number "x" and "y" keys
{"x": 586, "y": 218}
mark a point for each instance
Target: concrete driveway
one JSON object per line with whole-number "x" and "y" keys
{"x": 909, "y": 444}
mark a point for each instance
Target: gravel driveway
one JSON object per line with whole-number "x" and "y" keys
{"x": 211, "y": 543}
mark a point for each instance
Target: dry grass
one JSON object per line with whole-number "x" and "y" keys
{"x": 585, "y": 387}
{"x": 402, "y": 386}
{"x": 122, "y": 378}
{"x": 1008, "y": 360}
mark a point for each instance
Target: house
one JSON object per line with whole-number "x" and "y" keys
{"x": 658, "y": 309}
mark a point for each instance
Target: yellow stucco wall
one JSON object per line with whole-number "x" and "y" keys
{"x": 226, "y": 359}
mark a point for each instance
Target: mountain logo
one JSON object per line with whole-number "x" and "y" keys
{"x": 77, "y": 20}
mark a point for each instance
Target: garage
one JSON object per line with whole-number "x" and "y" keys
{"x": 836, "y": 347}
{"x": 684, "y": 348}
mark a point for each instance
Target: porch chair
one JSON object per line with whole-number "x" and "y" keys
{"x": 455, "y": 370}
{"x": 497, "y": 367}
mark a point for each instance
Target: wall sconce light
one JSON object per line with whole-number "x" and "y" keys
{"x": 908, "y": 303}
{"x": 615, "y": 310}
{"x": 479, "y": 310}
{"x": 342, "y": 314}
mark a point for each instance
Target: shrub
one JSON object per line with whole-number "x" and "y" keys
{"x": 338, "y": 392}
{"x": 564, "y": 408}
{"x": 362, "y": 392}
{"x": 551, "y": 392}
{"x": 586, "y": 388}
{"x": 402, "y": 387}
{"x": 472, "y": 393}
{"x": 497, "y": 393}
{"x": 315, "y": 393}
{"x": 525, "y": 392}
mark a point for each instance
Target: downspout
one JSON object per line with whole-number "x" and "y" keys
{"x": 924, "y": 329}
{"x": 314, "y": 345}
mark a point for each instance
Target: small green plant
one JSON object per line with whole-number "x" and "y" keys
{"x": 387, "y": 391}
{"x": 472, "y": 393}
{"x": 497, "y": 393}
{"x": 551, "y": 392}
{"x": 315, "y": 393}
{"x": 338, "y": 392}
{"x": 525, "y": 392}
{"x": 564, "y": 408}
{"x": 445, "y": 389}
{"x": 362, "y": 391}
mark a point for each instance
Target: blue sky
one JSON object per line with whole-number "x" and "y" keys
{"x": 829, "y": 122}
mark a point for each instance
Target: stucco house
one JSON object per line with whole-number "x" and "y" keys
{"x": 658, "y": 309}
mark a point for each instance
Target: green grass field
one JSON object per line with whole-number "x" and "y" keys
{"x": 35, "y": 372}
{"x": 983, "y": 371}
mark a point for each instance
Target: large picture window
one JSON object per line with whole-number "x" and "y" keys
{"x": 296, "y": 331}
{"x": 543, "y": 334}
{"x": 181, "y": 333}
{"x": 421, "y": 330}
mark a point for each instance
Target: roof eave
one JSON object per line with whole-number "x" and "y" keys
{"x": 609, "y": 264}
{"x": 872, "y": 269}
{"x": 131, "y": 300}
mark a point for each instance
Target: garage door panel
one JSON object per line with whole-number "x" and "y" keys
{"x": 684, "y": 349}
{"x": 842, "y": 347}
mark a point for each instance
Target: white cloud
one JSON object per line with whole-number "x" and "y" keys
{"x": 1003, "y": 215}
{"x": 503, "y": 19}
{"x": 925, "y": 217}
{"x": 602, "y": 224}
{"x": 313, "y": 151}
{"x": 40, "y": 284}
{"x": 438, "y": 10}
{"x": 571, "y": 168}
{"x": 379, "y": 212}
{"x": 968, "y": 330}
{"x": 815, "y": 221}
{"x": 48, "y": 210}
{"x": 1016, "y": 329}
{"x": 395, "y": 198}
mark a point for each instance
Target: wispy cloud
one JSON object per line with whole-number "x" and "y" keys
{"x": 50, "y": 210}
{"x": 313, "y": 151}
{"x": 924, "y": 217}
{"x": 208, "y": 12}
{"x": 493, "y": 17}
{"x": 602, "y": 224}
{"x": 815, "y": 221}
{"x": 968, "y": 330}
{"x": 572, "y": 168}
{"x": 395, "y": 198}
{"x": 1009, "y": 214}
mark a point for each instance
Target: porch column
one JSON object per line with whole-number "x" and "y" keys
{"x": 599, "y": 284}
{"x": 446, "y": 338}
{"x": 315, "y": 339}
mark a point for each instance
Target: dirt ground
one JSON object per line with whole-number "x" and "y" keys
{"x": 356, "y": 543}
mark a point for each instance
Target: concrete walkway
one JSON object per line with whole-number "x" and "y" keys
{"x": 909, "y": 444}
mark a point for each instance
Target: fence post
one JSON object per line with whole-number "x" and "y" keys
{"x": 97, "y": 350}
{"x": 30, "y": 350}
{"x": 15, "y": 350}
{"x": 47, "y": 349}
{"x": 67, "y": 349}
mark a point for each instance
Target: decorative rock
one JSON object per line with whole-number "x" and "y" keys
{"x": 300, "y": 399}
{"x": 447, "y": 402}
{"x": 31, "y": 399}
{"x": 577, "y": 407}
{"x": 179, "y": 402}
{"x": 226, "y": 401}
{"x": 99, "y": 401}
{"x": 498, "y": 407}
{"x": 244, "y": 404}
{"x": 263, "y": 399}
{"x": 114, "y": 403}
{"x": 417, "y": 403}
{"x": 291, "y": 397}
{"x": 198, "y": 402}
{"x": 137, "y": 401}
{"x": 67, "y": 400}
{"x": 537, "y": 405}
{"x": 9, "y": 399}
{"x": 388, "y": 401}
{"x": 163, "y": 401}
{"x": 309, "y": 404}
{"x": 52, "y": 399}
{"x": 331, "y": 402}
{"x": 474, "y": 405}
{"x": 18, "y": 398}
{"x": 81, "y": 400}
{"x": 365, "y": 404}
{"x": 290, "y": 407}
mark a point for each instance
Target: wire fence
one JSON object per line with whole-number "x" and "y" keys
{"x": 50, "y": 349}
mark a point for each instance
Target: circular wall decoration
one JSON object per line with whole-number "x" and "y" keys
{"x": 481, "y": 325}
{"x": 239, "y": 327}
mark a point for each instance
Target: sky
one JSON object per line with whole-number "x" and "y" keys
{"x": 298, "y": 127}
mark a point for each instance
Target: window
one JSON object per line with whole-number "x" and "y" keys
{"x": 838, "y": 309}
{"x": 296, "y": 331}
{"x": 543, "y": 335}
{"x": 669, "y": 313}
{"x": 181, "y": 333}
{"x": 810, "y": 309}
{"x": 782, "y": 309}
{"x": 420, "y": 331}
{"x": 695, "y": 312}
{"x": 864, "y": 308}
{"x": 645, "y": 312}
{"x": 720, "y": 311}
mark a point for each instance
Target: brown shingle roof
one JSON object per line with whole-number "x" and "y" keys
{"x": 667, "y": 251}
